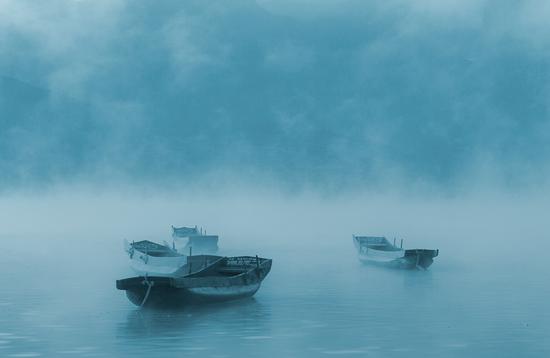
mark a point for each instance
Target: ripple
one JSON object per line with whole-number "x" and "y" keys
{"x": 456, "y": 345}
{"x": 345, "y": 351}
{"x": 77, "y": 350}
{"x": 13, "y": 337}
{"x": 402, "y": 349}
{"x": 257, "y": 337}
{"x": 194, "y": 348}
{"x": 53, "y": 326}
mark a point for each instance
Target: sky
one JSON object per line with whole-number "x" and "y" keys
{"x": 321, "y": 95}
{"x": 285, "y": 127}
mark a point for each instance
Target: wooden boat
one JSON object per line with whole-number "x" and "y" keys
{"x": 184, "y": 231}
{"x": 204, "y": 278}
{"x": 197, "y": 241}
{"x": 150, "y": 258}
{"x": 378, "y": 250}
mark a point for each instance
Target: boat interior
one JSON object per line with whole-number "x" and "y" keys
{"x": 222, "y": 266}
{"x": 153, "y": 249}
{"x": 184, "y": 231}
{"x": 376, "y": 242}
{"x": 198, "y": 239}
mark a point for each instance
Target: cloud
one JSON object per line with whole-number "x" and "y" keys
{"x": 192, "y": 42}
{"x": 306, "y": 9}
{"x": 289, "y": 57}
{"x": 306, "y": 93}
{"x": 67, "y": 40}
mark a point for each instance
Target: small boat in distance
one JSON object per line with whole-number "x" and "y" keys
{"x": 378, "y": 250}
{"x": 197, "y": 241}
{"x": 183, "y": 232}
{"x": 150, "y": 258}
{"x": 203, "y": 279}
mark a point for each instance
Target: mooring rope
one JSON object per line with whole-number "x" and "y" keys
{"x": 418, "y": 267}
{"x": 149, "y": 285}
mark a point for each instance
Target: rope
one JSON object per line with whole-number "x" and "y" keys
{"x": 144, "y": 258}
{"x": 149, "y": 285}
{"x": 418, "y": 267}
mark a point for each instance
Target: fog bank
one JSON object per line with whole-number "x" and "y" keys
{"x": 302, "y": 94}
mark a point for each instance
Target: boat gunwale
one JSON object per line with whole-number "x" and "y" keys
{"x": 383, "y": 244}
{"x": 155, "y": 250}
{"x": 256, "y": 273}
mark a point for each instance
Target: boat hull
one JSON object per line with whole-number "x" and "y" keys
{"x": 201, "y": 244}
{"x": 166, "y": 295}
{"x": 412, "y": 259}
{"x": 143, "y": 264}
{"x": 193, "y": 289}
{"x": 148, "y": 263}
{"x": 379, "y": 251}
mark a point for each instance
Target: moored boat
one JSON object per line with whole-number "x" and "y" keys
{"x": 152, "y": 259}
{"x": 378, "y": 250}
{"x": 203, "y": 278}
{"x": 197, "y": 240}
{"x": 184, "y": 231}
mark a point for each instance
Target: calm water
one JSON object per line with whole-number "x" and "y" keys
{"x": 59, "y": 299}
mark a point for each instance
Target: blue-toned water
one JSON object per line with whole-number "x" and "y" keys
{"x": 317, "y": 303}
{"x": 487, "y": 294}
{"x": 284, "y": 126}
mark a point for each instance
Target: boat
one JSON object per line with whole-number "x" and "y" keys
{"x": 197, "y": 241}
{"x": 150, "y": 258}
{"x": 203, "y": 279}
{"x": 378, "y": 250}
{"x": 184, "y": 231}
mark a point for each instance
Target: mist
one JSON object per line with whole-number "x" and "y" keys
{"x": 284, "y": 127}
{"x": 485, "y": 286}
{"x": 357, "y": 95}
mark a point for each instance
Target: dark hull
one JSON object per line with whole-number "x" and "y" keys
{"x": 193, "y": 289}
{"x": 416, "y": 259}
{"x": 419, "y": 258}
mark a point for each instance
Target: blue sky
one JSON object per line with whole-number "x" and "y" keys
{"x": 340, "y": 94}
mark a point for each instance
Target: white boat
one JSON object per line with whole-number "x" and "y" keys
{"x": 197, "y": 240}
{"x": 150, "y": 258}
{"x": 378, "y": 250}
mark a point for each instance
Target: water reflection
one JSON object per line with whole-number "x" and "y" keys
{"x": 167, "y": 321}
{"x": 196, "y": 328}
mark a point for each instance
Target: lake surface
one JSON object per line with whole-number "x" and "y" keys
{"x": 59, "y": 299}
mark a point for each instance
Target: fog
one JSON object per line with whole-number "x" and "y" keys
{"x": 368, "y": 95}
{"x": 284, "y": 127}
{"x": 475, "y": 230}
{"x": 268, "y": 217}
{"x": 486, "y": 291}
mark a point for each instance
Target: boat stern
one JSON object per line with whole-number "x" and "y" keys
{"x": 420, "y": 258}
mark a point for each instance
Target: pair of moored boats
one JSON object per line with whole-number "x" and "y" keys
{"x": 167, "y": 276}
